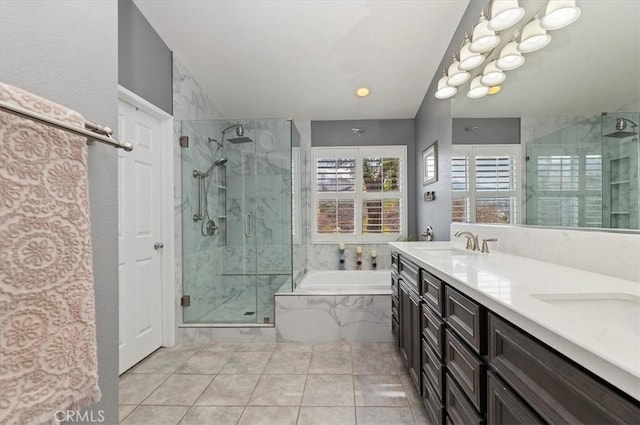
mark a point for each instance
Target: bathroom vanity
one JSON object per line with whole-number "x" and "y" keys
{"x": 496, "y": 338}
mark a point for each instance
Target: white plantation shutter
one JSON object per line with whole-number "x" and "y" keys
{"x": 360, "y": 193}
{"x": 485, "y": 184}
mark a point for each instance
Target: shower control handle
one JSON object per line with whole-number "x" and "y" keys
{"x": 247, "y": 225}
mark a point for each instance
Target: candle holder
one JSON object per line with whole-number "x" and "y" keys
{"x": 374, "y": 261}
{"x": 358, "y": 260}
{"x": 341, "y": 257}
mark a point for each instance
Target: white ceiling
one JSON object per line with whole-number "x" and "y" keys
{"x": 589, "y": 67}
{"x": 304, "y": 59}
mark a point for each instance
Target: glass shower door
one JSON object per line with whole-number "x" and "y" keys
{"x": 219, "y": 267}
{"x": 239, "y": 273}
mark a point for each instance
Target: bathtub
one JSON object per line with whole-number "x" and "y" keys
{"x": 333, "y": 306}
{"x": 346, "y": 282}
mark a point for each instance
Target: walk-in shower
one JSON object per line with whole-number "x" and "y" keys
{"x": 237, "y": 246}
{"x": 586, "y": 174}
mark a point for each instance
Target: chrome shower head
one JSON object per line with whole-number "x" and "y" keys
{"x": 621, "y": 124}
{"x": 239, "y": 129}
{"x": 240, "y": 140}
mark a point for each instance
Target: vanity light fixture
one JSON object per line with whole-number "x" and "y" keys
{"x": 533, "y": 37}
{"x": 457, "y": 77}
{"x": 362, "y": 92}
{"x": 510, "y": 57}
{"x": 477, "y": 89}
{"x": 559, "y": 14}
{"x": 505, "y": 14}
{"x": 492, "y": 75}
{"x": 445, "y": 91}
{"x": 483, "y": 38}
{"x": 468, "y": 59}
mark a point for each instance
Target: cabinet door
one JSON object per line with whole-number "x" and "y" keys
{"x": 405, "y": 324}
{"x": 505, "y": 407}
{"x": 416, "y": 351}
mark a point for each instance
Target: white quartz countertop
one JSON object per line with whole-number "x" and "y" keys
{"x": 591, "y": 318}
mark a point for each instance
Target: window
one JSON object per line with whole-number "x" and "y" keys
{"x": 359, "y": 193}
{"x": 485, "y": 184}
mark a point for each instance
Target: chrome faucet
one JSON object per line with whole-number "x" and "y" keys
{"x": 427, "y": 234}
{"x": 472, "y": 240}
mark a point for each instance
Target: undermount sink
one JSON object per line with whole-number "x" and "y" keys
{"x": 444, "y": 251}
{"x": 615, "y": 309}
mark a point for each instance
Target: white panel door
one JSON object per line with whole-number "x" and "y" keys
{"x": 139, "y": 233}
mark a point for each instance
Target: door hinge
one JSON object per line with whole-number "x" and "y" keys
{"x": 185, "y": 301}
{"x": 184, "y": 141}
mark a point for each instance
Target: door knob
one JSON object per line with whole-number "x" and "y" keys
{"x": 158, "y": 245}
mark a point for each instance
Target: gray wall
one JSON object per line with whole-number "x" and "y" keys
{"x": 376, "y": 133}
{"x": 67, "y": 52}
{"x": 490, "y": 131}
{"x": 434, "y": 122}
{"x": 145, "y": 65}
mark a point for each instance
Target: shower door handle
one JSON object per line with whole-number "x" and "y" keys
{"x": 247, "y": 225}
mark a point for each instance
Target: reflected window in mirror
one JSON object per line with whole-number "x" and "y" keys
{"x": 485, "y": 184}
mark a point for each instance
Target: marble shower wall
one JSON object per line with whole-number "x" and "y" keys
{"x": 189, "y": 103}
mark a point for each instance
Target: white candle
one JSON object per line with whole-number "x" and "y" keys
{"x": 358, "y": 250}
{"x": 341, "y": 246}
{"x": 374, "y": 253}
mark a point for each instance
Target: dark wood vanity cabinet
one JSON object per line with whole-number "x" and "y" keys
{"x": 395, "y": 307}
{"x": 471, "y": 366}
{"x": 557, "y": 389}
{"x": 409, "y": 319}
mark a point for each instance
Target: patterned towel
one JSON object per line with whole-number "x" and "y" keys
{"x": 48, "y": 357}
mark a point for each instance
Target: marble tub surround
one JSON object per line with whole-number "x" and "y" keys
{"x": 333, "y": 318}
{"x": 611, "y": 253}
{"x": 271, "y": 384}
{"x": 604, "y": 340}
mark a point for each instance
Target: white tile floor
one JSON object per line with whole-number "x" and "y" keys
{"x": 271, "y": 384}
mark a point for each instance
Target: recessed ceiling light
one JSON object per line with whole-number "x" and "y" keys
{"x": 362, "y": 92}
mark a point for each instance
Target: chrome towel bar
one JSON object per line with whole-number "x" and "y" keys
{"x": 92, "y": 130}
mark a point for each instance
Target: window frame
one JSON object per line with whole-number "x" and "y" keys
{"x": 359, "y": 195}
{"x": 471, "y": 152}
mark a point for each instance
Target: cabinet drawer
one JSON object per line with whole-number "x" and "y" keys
{"x": 433, "y": 369}
{"x": 557, "y": 389}
{"x": 467, "y": 318}
{"x": 432, "y": 329}
{"x": 505, "y": 407}
{"x": 394, "y": 284}
{"x": 431, "y": 289}
{"x": 409, "y": 272}
{"x": 459, "y": 410}
{"x": 394, "y": 309}
{"x": 432, "y": 403}
{"x": 468, "y": 370}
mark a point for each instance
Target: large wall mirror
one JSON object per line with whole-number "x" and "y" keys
{"x": 578, "y": 105}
